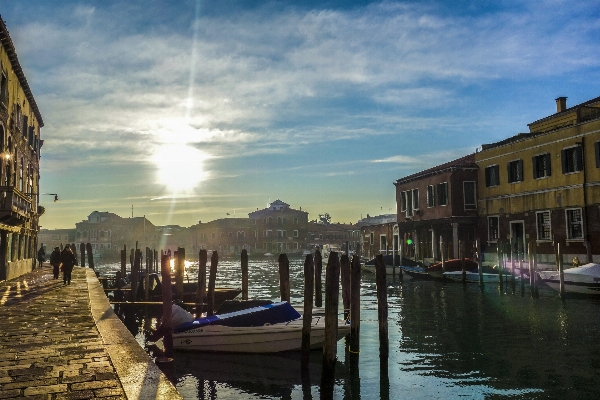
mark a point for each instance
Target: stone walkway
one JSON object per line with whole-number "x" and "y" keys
{"x": 64, "y": 342}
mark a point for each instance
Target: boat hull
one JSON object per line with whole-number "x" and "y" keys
{"x": 389, "y": 269}
{"x": 259, "y": 339}
{"x": 473, "y": 277}
{"x": 581, "y": 280}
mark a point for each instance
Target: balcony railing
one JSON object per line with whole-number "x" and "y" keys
{"x": 15, "y": 207}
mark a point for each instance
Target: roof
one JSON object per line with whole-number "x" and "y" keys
{"x": 466, "y": 162}
{"x": 568, "y": 110}
{"x": 14, "y": 61}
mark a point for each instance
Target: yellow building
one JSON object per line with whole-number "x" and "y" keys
{"x": 544, "y": 186}
{"x": 20, "y": 123}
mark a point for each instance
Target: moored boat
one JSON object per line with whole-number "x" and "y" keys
{"x": 270, "y": 328}
{"x": 417, "y": 273}
{"x": 473, "y": 277}
{"x": 583, "y": 280}
{"x": 435, "y": 270}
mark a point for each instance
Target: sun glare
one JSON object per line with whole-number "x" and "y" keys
{"x": 180, "y": 167}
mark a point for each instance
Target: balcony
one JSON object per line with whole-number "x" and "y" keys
{"x": 15, "y": 207}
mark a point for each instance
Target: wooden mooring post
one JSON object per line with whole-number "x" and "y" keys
{"x": 382, "y": 306}
{"x": 522, "y": 281}
{"x": 90, "y": 254}
{"x": 500, "y": 266}
{"x": 479, "y": 263}
{"x": 165, "y": 270}
{"x": 134, "y": 276}
{"x": 536, "y": 293}
{"x": 309, "y": 283}
{"x": 318, "y": 283}
{"x": 210, "y": 297}
{"x": 124, "y": 262}
{"x": 561, "y": 272}
{"x": 147, "y": 276}
{"x": 345, "y": 273}
{"x": 82, "y": 251}
{"x": 284, "y": 277}
{"x": 354, "y": 344}
{"x": 201, "y": 289}
{"x": 179, "y": 271}
{"x": 332, "y": 292}
{"x": 461, "y": 247}
{"x": 244, "y": 274}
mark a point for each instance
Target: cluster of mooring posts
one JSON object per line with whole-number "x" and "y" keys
{"x": 337, "y": 267}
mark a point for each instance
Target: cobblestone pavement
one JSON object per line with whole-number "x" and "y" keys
{"x": 50, "y": 347}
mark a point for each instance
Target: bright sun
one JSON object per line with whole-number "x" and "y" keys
{"x": 180, "y": 167}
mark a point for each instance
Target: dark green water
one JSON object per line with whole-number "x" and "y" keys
{"x": 446, "y": 341}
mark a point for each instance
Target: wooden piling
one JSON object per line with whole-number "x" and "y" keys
{"x": 201, "y": 289}
{"x": 332, "y": 287}
{"x": 354, "y": 345}
{"x": 134, "y": 276}
{"x": 210, "y": 298}
{"x": 521, "y": 269}
{"x": 245, "y": 274}
{"x": 165, "y": 270}
{"x": 535, "y": 275}
{"x": 155, "y": 261}
{"x": 82, "y": 253}
{"x": 530, "y": 258}
{"x": 90, "y": 254}
{"x": 309, "y": 281}
{"x": 179, "y": 270}
{"x": 382, "y": 306}
{"x": 345, "y": 273}
{"x": 500, "y": 266}
{"x": 318, "y": 283}
{"x": 131, "y": 257}
{"x": 479, "y": 263}
{"x": 561, "y": 272}
{"x": 443, "y": 252}
{"x": 124, "y": 262}
{"x": 461, "y": 246}
{"x": 284, "y": 277}
{"x": 147, "y": 277}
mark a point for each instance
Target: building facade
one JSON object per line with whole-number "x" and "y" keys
{"x": 20, "y": 144}
{"x": 543, "y": 186}
{"x": 438, "y": 205}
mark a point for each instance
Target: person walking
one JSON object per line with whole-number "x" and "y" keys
{"x": 41, "y": 255}
{"x": 68, "y": 261}
{"x": 55, "y": 261}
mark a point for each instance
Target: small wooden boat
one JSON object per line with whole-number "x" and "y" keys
{"x": 473, "y": 277}
{"x": 392, "y": 264}
{"x": 583, "y": 280}
{"x": 270, "y": 328}
{"x": 435, "y": 270}
{"x": 416, "y": 273}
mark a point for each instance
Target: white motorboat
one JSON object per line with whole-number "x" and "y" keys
{"x": 254, "y": 330}
{"x": 584, "y": 279}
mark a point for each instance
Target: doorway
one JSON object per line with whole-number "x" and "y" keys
{"x": 517, "y": 236}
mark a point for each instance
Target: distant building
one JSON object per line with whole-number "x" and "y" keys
{"x": 20, "y": 144}
{"x": 229, "y": 236}
{"x": 279, "y": 228}
{"x": 50, "y": 239}
{"x": 333, "y": 237}
{"x": 543, "y": 187}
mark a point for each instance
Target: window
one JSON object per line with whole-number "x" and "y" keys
{"x": 572, "y": 159}
{"x": 515, "y": 171}
{"x": 574, "y": 224}
{"x": 492, "y": 176}
{"x": 543, "y": 225}
{"x": 442, "y": 190}
{"x": 430, "y": 196}
{"x": 382, "y": 243}
{"x": 541, "y": 166}
{"x": 403, "y": 201}
{"x": 493, "y": 229}
{"x": 415, "y": 196}
{"x": 409, "y": 203}
{"x": 469, "y": 194}
{"x": 597, "y": 150}
{"x": 295, "y": 220}
{"x": 295, "y": 233}
{"x": 372, "y": 238}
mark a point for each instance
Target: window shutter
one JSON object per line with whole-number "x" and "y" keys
{"x": 487, "y": 177}
{"x": 597, "y": 146}
{"x": 548, "y": 164}
{"x": 535, "y": 167}
{"x": 579, "y": 157}
{"x": 563, "y": 161}
{"x": 520, "y": 170}
{"x": 508, "y": 173}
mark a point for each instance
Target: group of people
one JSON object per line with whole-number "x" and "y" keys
{"x": 63, "y": 261}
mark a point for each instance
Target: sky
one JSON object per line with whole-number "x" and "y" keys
{"x": 195, "y": 110}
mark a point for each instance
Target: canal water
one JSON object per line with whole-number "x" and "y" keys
{"x": 446, "y": 340}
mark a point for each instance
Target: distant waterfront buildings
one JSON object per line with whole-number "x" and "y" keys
{"x": 20, "y": 144}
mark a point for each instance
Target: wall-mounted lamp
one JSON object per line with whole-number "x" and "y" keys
{"x": 51, "y": 194}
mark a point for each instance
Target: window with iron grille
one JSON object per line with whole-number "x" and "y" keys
{"x": 430, "y": 196}
{"x": 543, "y": 225}
{"x": 541, "y": 166}
{"x": 492, "y": 229}
{"x": 574, "y": 223}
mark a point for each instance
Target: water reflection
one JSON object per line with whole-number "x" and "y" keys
{"x": 445, "y": 341}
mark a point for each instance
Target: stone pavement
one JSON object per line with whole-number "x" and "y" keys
{"x": 64, "y": 342}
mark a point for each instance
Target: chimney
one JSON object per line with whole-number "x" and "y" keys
{"x": 561, "y": 104}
